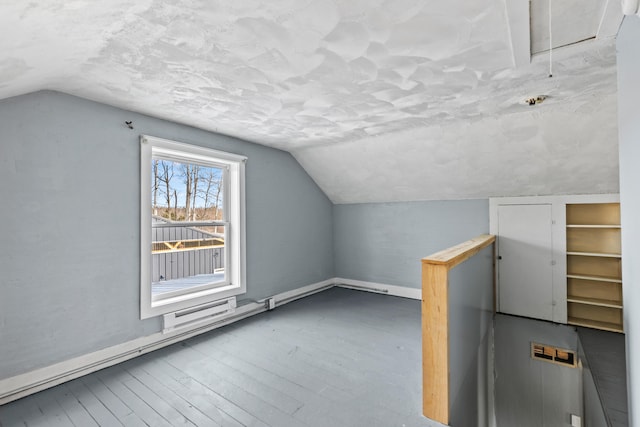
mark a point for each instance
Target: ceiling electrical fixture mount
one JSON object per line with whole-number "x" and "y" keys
{"x": 534, "y": 100}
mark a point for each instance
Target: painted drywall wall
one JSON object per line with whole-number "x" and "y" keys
{"x": 629, "y": 135}
{"x": 70, "y": 208}
{"x": 533, "y": 393}
{"x": 593, "y": 412}
{"x": 470, "y": 340}
{"x": 384, "y": 242}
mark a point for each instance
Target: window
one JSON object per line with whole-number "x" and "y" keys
{"x": 192, "y": 226}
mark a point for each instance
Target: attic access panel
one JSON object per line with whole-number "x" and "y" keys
{"x": 572, "y": 21}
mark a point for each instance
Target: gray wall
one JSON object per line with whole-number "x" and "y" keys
{"x": 629, "y": 145}
{"x": 534, "y": 393}
{"x": 384, "y": 242}
{"x": 69, "y": 250}
{"x": 470, "y": 340}
{"x": 593, "y": 411}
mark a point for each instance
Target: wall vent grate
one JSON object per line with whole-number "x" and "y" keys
{"x": 549, "y": 353}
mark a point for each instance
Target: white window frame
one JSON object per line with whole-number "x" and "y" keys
{"x": 234, "y": 223}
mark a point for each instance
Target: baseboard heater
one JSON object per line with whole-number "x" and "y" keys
{"x": 200, "y": 314}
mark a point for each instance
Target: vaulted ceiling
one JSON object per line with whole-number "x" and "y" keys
{"x": 379, "y": 100}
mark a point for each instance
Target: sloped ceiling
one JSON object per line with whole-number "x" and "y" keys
{"x": 379, "y": 100}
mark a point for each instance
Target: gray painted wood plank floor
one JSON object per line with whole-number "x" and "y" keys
{"x": 337, "y": 358}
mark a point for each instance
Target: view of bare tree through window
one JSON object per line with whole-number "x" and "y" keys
{"x": 186, "y": 256}
{"x": 186, "y": 192}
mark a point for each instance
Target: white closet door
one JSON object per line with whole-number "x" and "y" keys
{"x": 524, "y": 260}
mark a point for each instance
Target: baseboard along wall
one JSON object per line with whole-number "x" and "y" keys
{"x": 380, "y": 288}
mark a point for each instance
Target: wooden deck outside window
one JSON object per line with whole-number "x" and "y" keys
{"x": 435, "y": 324}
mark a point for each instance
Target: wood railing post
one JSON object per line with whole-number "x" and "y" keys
{"x": 435, "y": 342}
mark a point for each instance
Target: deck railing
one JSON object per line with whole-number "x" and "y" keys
{"x": 184, "y": 250}
{"x": 436, "y": 322}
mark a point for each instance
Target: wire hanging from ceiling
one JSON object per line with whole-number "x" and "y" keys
{"x": 550, "y": 44}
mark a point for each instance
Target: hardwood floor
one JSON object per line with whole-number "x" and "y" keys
{"x": 337, "y": 358}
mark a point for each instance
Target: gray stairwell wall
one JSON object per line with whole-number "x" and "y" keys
{"x": 471, "y": 341}
{"x": 528, "y": 392}
{"x": 628, "y": 44}
{"x": 70, "y": 208}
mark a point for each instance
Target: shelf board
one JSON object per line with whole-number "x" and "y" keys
{"x": 613, "y": 327}
{"x": 595, "y": 254}
{"x": 595, "y": 301}
{"x": 595, "y": 278}
{"x": 592, "y": 226}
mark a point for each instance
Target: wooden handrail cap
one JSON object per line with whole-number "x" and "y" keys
{"x": 456, "y": 254}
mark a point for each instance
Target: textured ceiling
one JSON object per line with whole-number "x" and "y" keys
{"x": 422, "y": 94}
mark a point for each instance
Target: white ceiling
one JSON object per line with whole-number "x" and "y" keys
{"x": 379, "y": 100}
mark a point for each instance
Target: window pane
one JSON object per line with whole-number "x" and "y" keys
{"x": 186, "y": 192}
{"x": 186, "y": 258}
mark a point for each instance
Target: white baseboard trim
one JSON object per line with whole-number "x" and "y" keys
{"x": 380, "y": 288}
{"x": 22, "y": 385}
